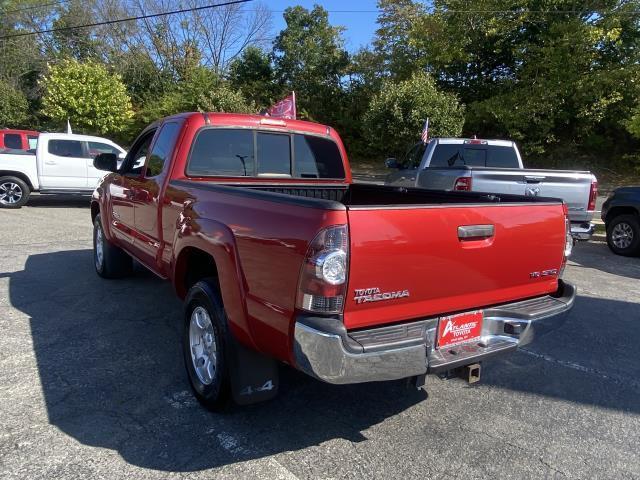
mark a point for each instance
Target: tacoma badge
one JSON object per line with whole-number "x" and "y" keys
{"x": 545, "y": 273}
{"x": 364, "y": 295}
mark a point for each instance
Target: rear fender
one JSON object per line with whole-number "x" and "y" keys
{"x": 217, "y": 240}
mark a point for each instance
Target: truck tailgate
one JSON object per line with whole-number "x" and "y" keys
{"x": 572, "y": 187}
{"x": 409, "y": 262}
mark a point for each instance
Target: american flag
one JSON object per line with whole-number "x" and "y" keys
{"x": 425, "y": 132}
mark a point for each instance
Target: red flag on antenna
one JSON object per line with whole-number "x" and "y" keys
{"x": 285, "y": 108}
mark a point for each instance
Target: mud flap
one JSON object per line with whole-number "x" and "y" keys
{"x": 254, "y": 377}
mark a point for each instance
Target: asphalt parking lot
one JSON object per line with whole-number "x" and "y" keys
{"x": 92, "y": 385}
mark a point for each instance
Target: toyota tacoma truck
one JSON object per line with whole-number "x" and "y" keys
{"x": 471, "y": 164}
{"x": 279, "y": 257}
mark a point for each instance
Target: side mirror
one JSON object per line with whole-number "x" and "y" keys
{"x": 106, "y": 161}
{"x": 392, "y": 163}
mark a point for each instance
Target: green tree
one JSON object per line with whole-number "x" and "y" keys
{"x": 552, "y": 74}
{"x": 144, "y": 80}
{"x": 398, "y": 57}
{"x": 78, "y": 43}
{"x": 14, "y": 108}
{"x": 633, "y": 124}
{"x": 200, "y": 90}
{"x": 94, "y": 99}
{"x": 397, "y": 114}
{"x": 310, "y": 58}
{"x": 252, "y": 74}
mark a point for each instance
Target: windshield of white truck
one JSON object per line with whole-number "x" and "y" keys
{"x": 457, "y": 155}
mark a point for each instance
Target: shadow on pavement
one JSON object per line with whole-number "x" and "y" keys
{"x": 597, "y": 255}
{"x": 111, "y": 369}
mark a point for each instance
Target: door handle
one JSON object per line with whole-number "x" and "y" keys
{"x": 50, "y": 162}
{"x": 533, "y": 179}
{"x": 475, "y": 232}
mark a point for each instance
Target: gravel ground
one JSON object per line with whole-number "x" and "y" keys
{"x": 92, "y": 385}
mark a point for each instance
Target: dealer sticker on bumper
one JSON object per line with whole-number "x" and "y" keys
{"x": 460, "y": 328}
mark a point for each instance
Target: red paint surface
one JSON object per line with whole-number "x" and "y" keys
{"x": 24, "y": 137}
{"x": 418, "y": 249}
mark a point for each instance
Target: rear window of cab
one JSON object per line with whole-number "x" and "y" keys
{"x": 238, "y": 152}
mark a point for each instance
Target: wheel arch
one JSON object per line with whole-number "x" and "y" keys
{"x": 20, "y": 175}
{"x": 213, "y": 254}
{"x": 620, "y": 210}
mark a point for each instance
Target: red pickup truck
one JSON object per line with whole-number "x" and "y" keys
{"x": 18, "y": 139}
{"x": 280, "y": 257}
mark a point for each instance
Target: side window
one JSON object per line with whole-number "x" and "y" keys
{"x": 66, "y": 148}
{"x": 96, "y": 148}
{"x": 414, "y": 156}
{"x": 137, "y": 156}
{"x": 222, "y": 152}
{"x": 33, "y": 142}
{"x": 162, "y": 149}
{"x": 317, "y": 157}
{"x": 12, "y": 140}
{"x": 274, "y": 154}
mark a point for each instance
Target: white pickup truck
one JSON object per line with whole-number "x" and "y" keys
{"x": 63, "y": 163}
{"x": 495, "y": 166}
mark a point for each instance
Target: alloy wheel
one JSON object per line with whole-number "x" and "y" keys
{"x": 622, "y": 235}
{"x": 10, "y": 193}
{"x": 99, "y": 248}
{"x": 202, "y": 343}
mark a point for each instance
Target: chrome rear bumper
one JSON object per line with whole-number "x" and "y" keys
{"x": 582, "y": 230}
{"x": 324, "y": 349}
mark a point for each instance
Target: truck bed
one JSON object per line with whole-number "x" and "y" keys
{"x": 366, "y": 195}
{"x": 408, "y": 239}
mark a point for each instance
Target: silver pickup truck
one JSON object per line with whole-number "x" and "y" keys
{"x": 495, "y": 166}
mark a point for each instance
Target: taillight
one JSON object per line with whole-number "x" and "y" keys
{"x": 593, "y": 196}
{"x": 568, "y": 239}
{"x": 323, "y": 278}
{"x": 462, "y": 184}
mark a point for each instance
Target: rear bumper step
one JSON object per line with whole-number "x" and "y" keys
{"x": 324, "y": 349}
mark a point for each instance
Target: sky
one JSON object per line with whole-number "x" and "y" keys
{"x": 357, "y": 16}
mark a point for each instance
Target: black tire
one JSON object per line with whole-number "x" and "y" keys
{"x": 623, "y": 235}
{"x": 14, "y": 192}
{"x": 214, "y": 395}
{"x": 115, "y": 262}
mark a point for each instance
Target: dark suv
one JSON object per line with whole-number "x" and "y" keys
{"x": 621, "y": 215}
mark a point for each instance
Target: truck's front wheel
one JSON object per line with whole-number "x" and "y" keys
{"x": 109, "y": 260}
{"x": 205, "y": 346}
{"x": 14, "y": 192}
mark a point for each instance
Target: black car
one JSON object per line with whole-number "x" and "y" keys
{"x": 621, "y": 215}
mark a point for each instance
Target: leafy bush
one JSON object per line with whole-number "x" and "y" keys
{"x": 396, "y": 115}
{"x": 87, "y": 94}
{"x": 13, "y": 107}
